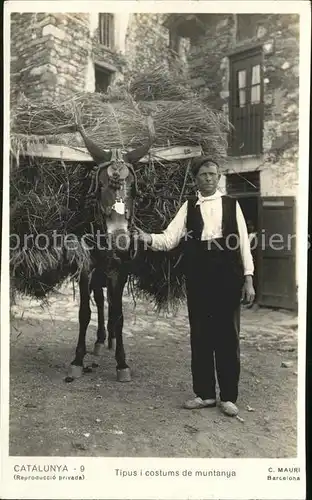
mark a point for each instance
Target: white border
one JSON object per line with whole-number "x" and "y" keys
{"x": 101, "y": 481}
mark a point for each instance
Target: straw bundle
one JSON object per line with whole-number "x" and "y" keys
{"x": 118, "y": 118}
{"x": 189, "y": 123}
{"x": 49, "y": 196}
{"x": 163, "y": 189}
{"x": 184, "y": 123}
{"x": 124, "y": 124}
{"x": 20, "y": 143}
{"x": 46, "y": 199}
{"x": 159, "y": 277}
{"x": 160, "y": 186}
{"x": 158, "y": 84}
{"x": 37, "y": 117}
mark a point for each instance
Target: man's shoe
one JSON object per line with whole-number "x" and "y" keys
{"x": 196, "y": 403}
{"x": 229, "y": 408}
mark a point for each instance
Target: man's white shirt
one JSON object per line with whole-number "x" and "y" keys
{"x": 211, "y": 211}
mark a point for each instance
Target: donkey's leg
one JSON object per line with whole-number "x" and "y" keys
{"x": 115, "y": 324}
{"x": 101, "y": 332}
{"x": 76, "y": 367}
{"x": 110, "y": 322}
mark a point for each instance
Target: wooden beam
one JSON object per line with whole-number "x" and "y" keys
{"x": 105, "y": 65}
{"x": 66, "y": 153}
{"x": 59, "y": 152}
{"x": 173, "y": 153}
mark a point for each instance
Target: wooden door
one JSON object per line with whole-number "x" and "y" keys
{"x": 277, "y": 252}
{"x": 246, "y": 103}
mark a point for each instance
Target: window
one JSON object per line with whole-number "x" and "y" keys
{"x": 246, "y": 103}
{"x": 255, "y": 84}
{"x": 106, "y": 30}
{"x": 244, "y": 183}
{"x": 103, "y": 78}
{"x": 242, "y": 88}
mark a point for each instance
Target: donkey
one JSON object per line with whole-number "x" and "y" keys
{"x": 114, "y": 188}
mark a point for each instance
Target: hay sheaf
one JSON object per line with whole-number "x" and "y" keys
{"x": 155, "y": 84}
{"x": 48, "y": 199}
{"x": 46, "y": 207}
{"x": 118, "y": 118}
{"x": 49, "y": 196}
{"x": 159, "y": 276}
{"x": 163, "y": 189}
{"x": 121, "y": 124}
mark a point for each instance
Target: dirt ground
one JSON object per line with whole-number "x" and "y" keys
{"x": 97, "y": 416}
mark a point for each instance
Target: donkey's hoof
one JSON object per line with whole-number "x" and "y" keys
{"x": 99, "y": 349}
{"x": 74, "y": 372}
{"x": 124, "y": 375}
{"x": 87, "y": 369}
{"x": 112, "y": 344}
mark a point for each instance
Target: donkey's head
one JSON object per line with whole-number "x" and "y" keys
{"x": 114, "y": 184}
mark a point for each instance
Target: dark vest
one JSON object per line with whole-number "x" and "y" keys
{"x": 197, "y": 253}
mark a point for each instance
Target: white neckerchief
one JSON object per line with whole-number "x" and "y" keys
{"x": 202, "y": 199}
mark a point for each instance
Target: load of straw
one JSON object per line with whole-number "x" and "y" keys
{"x": 48, "y": 199}
{"x": 157, "y": 84}
{"x": 46, "y": 206}
{"x": 118, "y": 118}
{"x": 49, "y": 196}
{"x": 164, "y": 188}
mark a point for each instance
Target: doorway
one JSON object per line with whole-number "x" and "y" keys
{"x": 249, "y": 206}
{"x": 103, "y": 78}
{"x": 245, "y": 187}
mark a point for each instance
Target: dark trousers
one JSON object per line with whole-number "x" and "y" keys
{"x": 213, "y": 297}
{"x": 215, "y": 346}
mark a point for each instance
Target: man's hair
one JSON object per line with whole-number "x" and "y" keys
{"x": 202, "y": 160}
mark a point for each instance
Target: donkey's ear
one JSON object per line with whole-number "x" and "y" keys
{"x": 98, "y": 154}
{"x": 135, "y": 155}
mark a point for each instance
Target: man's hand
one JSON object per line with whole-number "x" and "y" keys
{"x": 248, "y": 292}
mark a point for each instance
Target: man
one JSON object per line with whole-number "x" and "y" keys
{"x": 218, "y": 269}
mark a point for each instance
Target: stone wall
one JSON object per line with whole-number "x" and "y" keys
{"x": 148, "y": 45}
{"x": 29, "y": 50}
{"x": 54, "y": 54}
{"x": 49, "y": 53}
{"x": 147, "y": 42}
{"x": 208, "y": 65}
{"x": 209, "y": 69}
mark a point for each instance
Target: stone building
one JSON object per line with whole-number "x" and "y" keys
{"x": 244, "y": 64}
{"x": 58, "y": 54}
{"x": 248, "y": 65}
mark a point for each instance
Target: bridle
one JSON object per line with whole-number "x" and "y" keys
{"x": 94, "y": 174}
{"x": 115, "y": 159}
